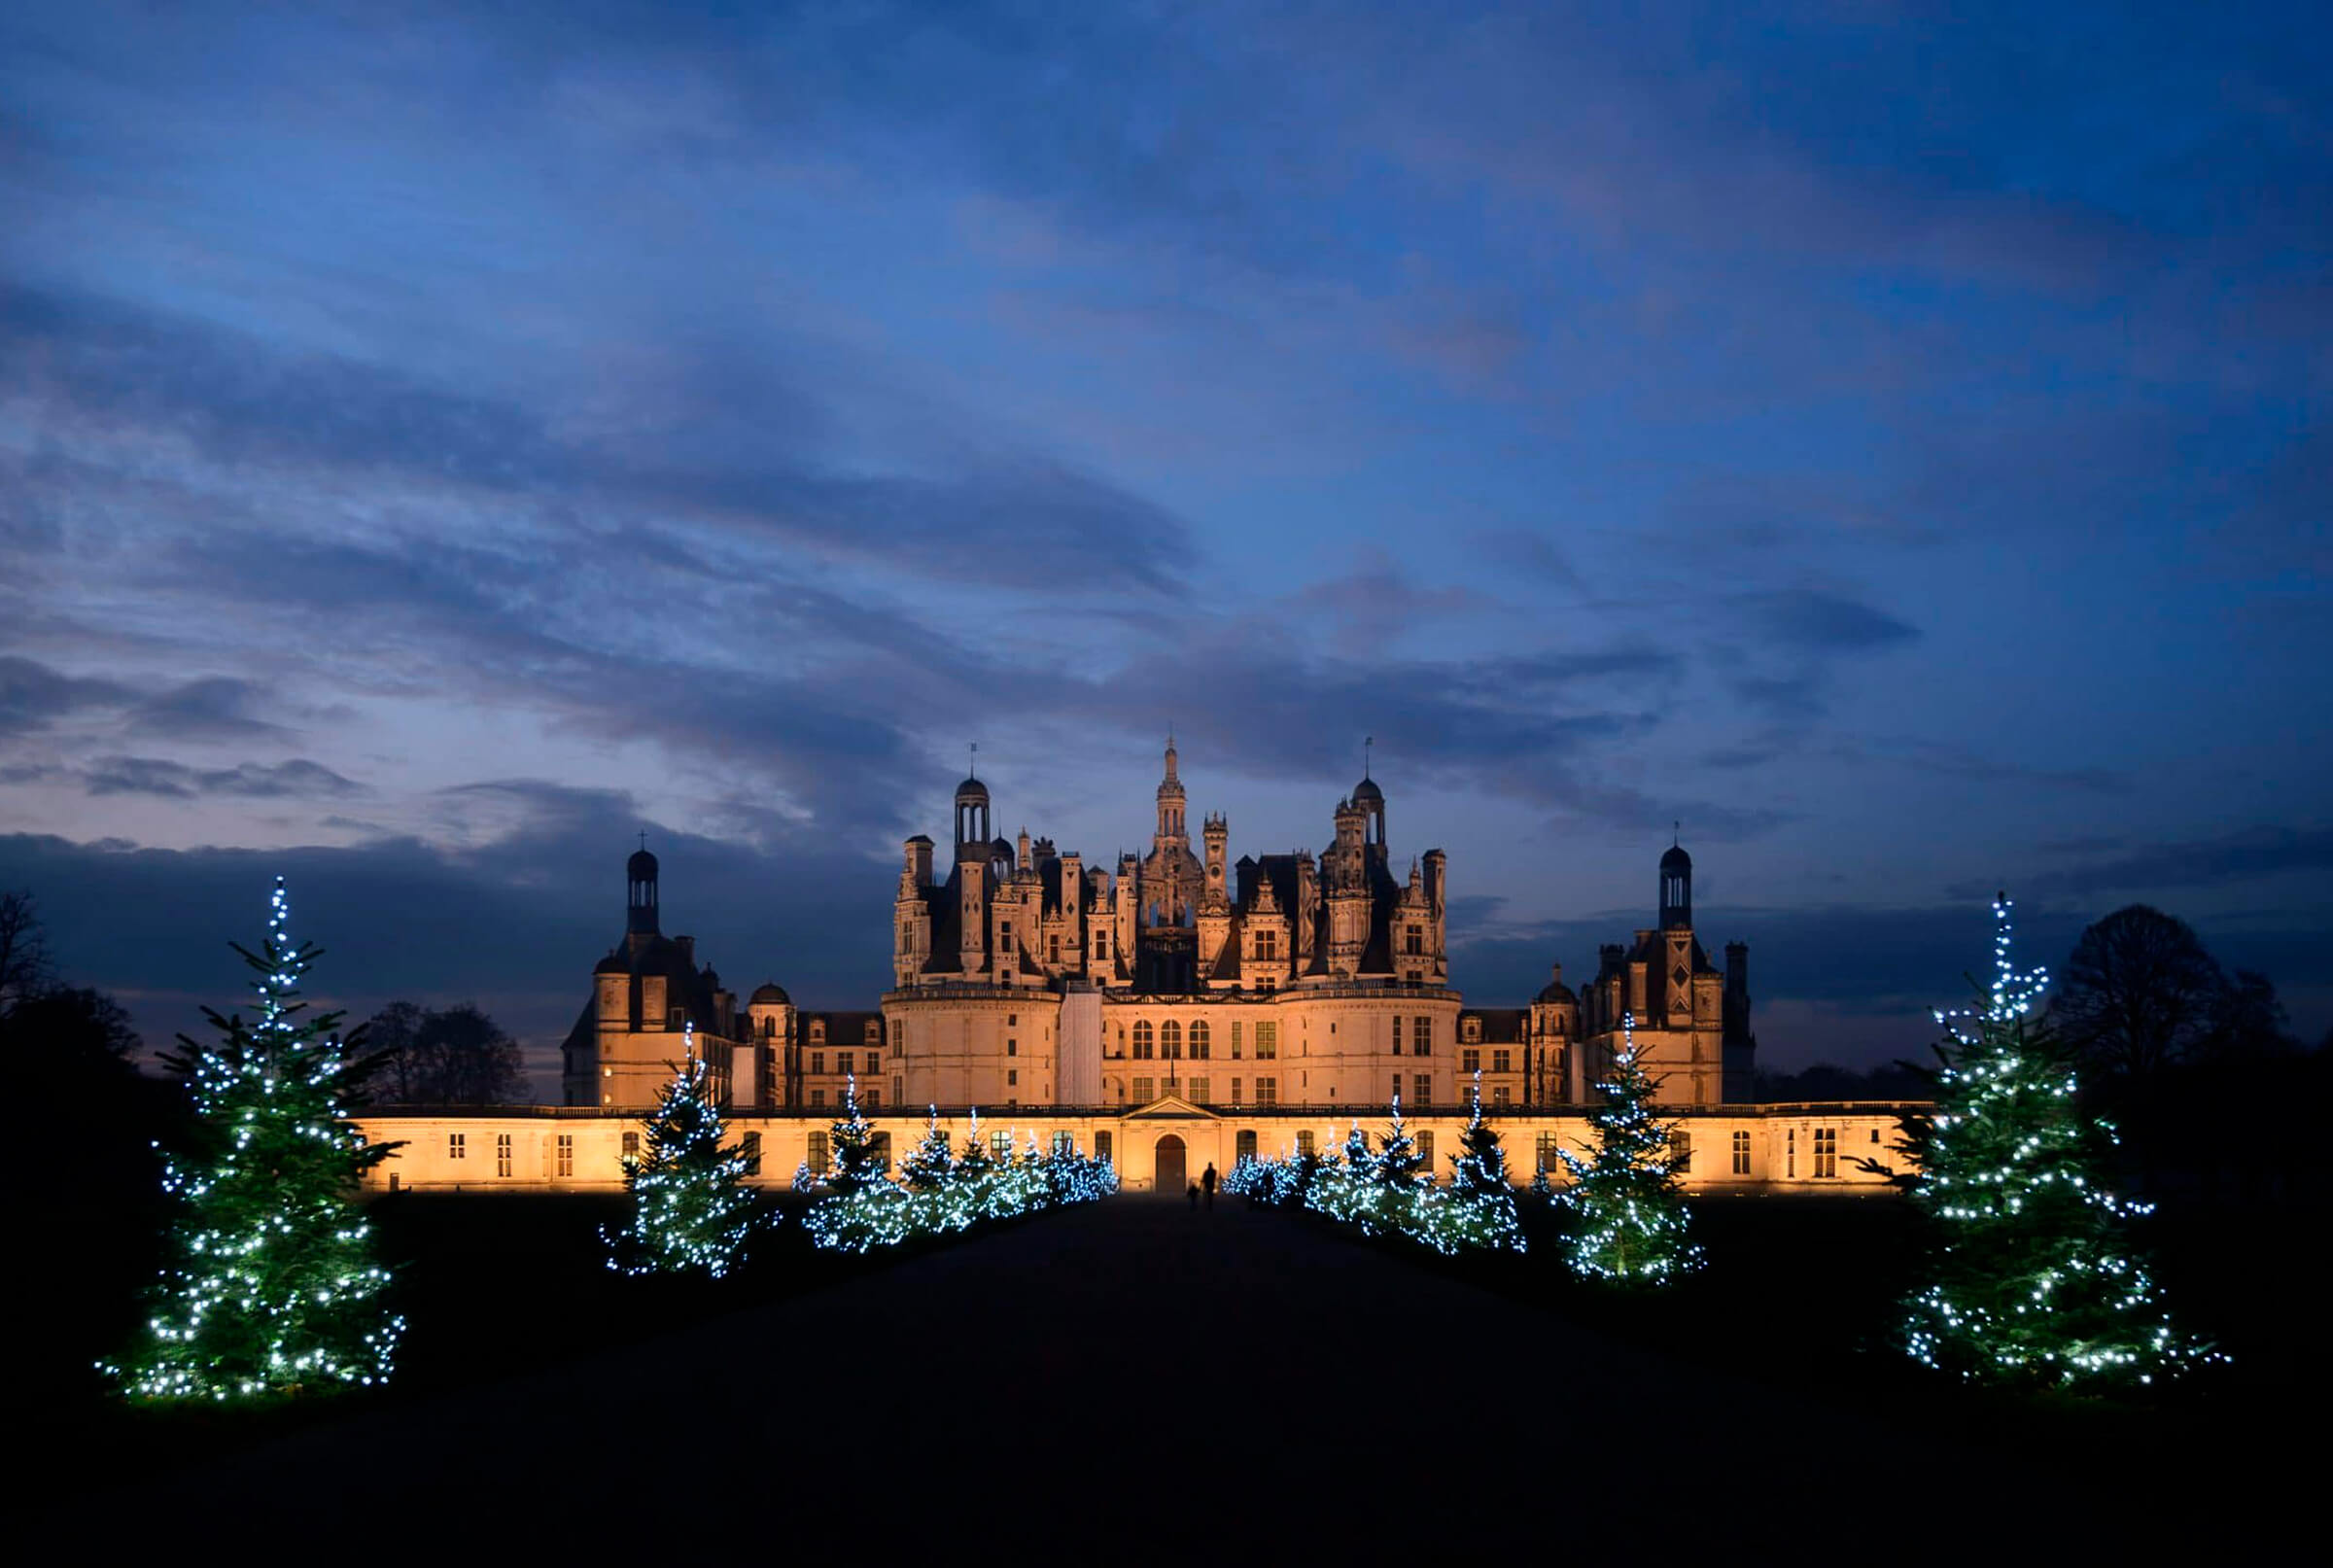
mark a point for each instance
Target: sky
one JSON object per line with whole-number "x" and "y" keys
{"x": 438, "y": 444}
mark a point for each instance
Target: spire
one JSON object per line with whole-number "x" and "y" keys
{"x": 1170, "y": 779}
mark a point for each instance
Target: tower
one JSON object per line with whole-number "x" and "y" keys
{"x": 1676, "y": 889}
{"x": 1171, "y": 833}
{"x": 640, "y": 891}
{"x": 972, "y": 841}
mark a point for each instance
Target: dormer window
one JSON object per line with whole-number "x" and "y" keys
{"x": 677, "y": 1018}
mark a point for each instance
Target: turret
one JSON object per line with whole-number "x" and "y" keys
{"x": 971, "y": 820}
{"x": 1172, "y": 832}
{"x": 1218, "y": 837}
{"x": 640, "y": 892}
{"x": 1676, "y": 889}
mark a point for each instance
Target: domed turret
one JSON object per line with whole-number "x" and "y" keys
{"x": 771, "y": 994}
{"x": 612, "y": 964}
{"x": 640, "y": 891}
{"x": 971, "y": 819}
{"x": 1676, "y": 889}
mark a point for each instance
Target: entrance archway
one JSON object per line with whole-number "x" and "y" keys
{"x": 1167, "y": 1166}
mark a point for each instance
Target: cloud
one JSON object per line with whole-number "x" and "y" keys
{"x": 2246, "y": 856}
{"x": 33, "y": 695}
{"x": 1805, "y": 620}
{"x": 157, "y": 776}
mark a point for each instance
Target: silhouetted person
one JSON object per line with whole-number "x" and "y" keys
{"x": 1195, "y": 1194}
{"x": 1208, "y": 1182}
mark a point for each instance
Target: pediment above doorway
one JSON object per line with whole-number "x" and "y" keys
{"x": 1171, "y": 1108}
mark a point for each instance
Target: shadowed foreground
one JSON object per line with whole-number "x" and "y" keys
{"x": 1133, "y": 1381}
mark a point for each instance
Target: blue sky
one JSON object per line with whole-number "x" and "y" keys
{"x": 436, "y": 444}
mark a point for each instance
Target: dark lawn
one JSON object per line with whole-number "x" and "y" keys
{"x": 1088, "y": 1368}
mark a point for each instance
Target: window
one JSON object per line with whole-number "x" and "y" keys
{"x": 564, "y": 1147}
{"x": 1267, "y": 946}
{"x": 1469, "y": 1060}
{"x": 1064, "y": 1145}
{"x": 1741, "y": 1153}
{"x": 501, "y": 1153}
{"x": 1146, "y": 1091}
{"x": 845, "y": 1061}
{"x": 1012, "y": 1021}
{"x": 1397, "y": 1035}
{"x": 1827, "y": 1151}
{"x": 630, "y": 1147}
{"x": 1421, "y": 1036}
{"x": 874, "y": 1099}
{"x": 1243, "y": 1144}
{"x": 1000, "y": 1145}
{"x": 1421, "y": 1089}
{"x": 1470, "y": 1029}
{"x": 899, "y": 1037}
{"x": 1012, "y": 1077}
{"x": 1425, "y": 1153}
{"x": 1267, "y": 1090}
{"x": 769, "y": 1028}
{"x": 1502, "y": 1096}
{"x": 1235, "y": 1099}
{"x": 1143, "y": 1042}
{"x": 1004, "y": 937}
{"x": 1198, "y": 1090}
{"x": 456, "y": 1145}
{"x": 750, "y": 1147}
{"x": 1102, "y": 1147}
{"x": 1413, "y": 942}
{"x": 1267, "y": 1041}
{"x": 879, "y": 1150}
{"x": 1680, "y": 1150}
{"x": 1200, "y": 1043}
{"x": 1790, "y": 1154}
{"x": 817, "y": 1097}
{"x": 1052, "y": 948}
{"x": 872, "y": 1034}
{"x": 1235, "y": 1039}
{"x": 677, "y": 1018}
{"x": 1012, "y": 1048}
{"x": 818, "y": 1031}
{"x": 1303, "y": 1142}
{"x": 898, "y": 1092}
{"x": 1502, "y": 1062}
{"x": 817, "y": 1062}
{"x": 1545, "y": 1159}
{"x": 818, "y": 1160}
{"x": 1170, "y": 1039}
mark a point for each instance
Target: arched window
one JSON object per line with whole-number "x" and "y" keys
{"x": 1170, "y": 1039}
{"x": 1142, "y": 1041}
{"x": 1199, "y": 1039}
{"x": 769, "y": 1028}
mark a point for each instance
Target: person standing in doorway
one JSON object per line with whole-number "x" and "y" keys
{"x": 1207, "y": 1181}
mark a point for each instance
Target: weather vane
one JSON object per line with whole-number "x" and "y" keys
{"x": 1367, "y": 741}
{"x": 974, "y": 770}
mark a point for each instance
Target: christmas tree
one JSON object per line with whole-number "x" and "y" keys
{"x": 2032, "y": 1276}
{"x": 1397, "y": 1161}
{"x": 928, "y": 1164}
{"x": 691, "y": 1211}
{"x": 271, "y": 1287}
{"x": 1628, "y": 1222}
{"x": 1480, "y": 1166}
{"x": 856, "y": 1164}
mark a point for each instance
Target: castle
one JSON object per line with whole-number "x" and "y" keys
{"x": 1178, "y": 1011}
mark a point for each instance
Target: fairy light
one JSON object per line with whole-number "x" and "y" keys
{"x": 271, "y": 1289}
{"x": 2032, "y": 1278}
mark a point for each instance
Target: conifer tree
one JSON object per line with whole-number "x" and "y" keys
{"x": 928, "y": 1164}
{"x": 691, "y": 1211}
{"x": 272, "y": 1286}
{"x": 1480, "y": 1166}
{"x": 1628, "y": 1223}
{"x": 1397, "y": 1159}
{"x": 854, "y": 1162}
{"x": 2032, "y": 1278}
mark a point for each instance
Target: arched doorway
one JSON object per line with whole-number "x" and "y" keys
{"x": 1167, "y": 1166}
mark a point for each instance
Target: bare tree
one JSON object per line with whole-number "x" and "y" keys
{"x": 453, "y": 1056}
{"x": 24, "y": 969}
{"x": 2140, "y": 993}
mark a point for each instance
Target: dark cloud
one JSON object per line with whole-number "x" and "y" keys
{"x": 158, "y": 776}
{"x": 1806, "y": 621}
{"x": 2234, "y": 857}
{"x": 216, "y": 707}
{"x": 33, "y": 695}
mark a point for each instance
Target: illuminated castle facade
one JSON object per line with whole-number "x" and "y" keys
{"x": 1023, "y": 977}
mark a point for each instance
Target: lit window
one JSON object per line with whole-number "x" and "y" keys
{"x": 456, "y": 1146}
{"x": 564, "y": 1147}
{"x": 1102, "y": 1147}
{"x": 1741, "y": 1153}
{"x": 1545, "y": 1158}
{"x": 1425, "y": 1153}
{"x": 1243, "y": 1144}
{"x": 818, "y": 1160}
{"x": 501, "y": 1153}
{"x": 1000, "y": 1145}
{"x": 750, "y": 1147}
{"x": 1680, "y": 1150}
{"x": 1790, "y": 1154}
{"x": 1827, "y": 1151}
{"x": 1064, "y": 1145}
{"x": 632, "y": 1145}
{"x": 1303, "y": 1142}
